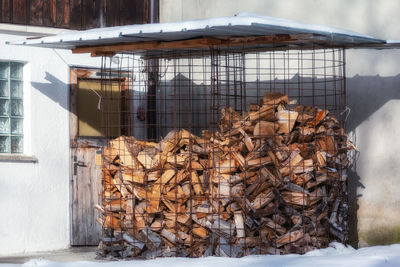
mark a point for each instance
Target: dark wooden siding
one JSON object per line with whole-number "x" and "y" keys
{"x": 77, "y": 14}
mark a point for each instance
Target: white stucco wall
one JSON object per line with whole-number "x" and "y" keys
{"x": 34, "y": 197}
{"x": 373, "y": 93}
{"x": 379, "y": 211}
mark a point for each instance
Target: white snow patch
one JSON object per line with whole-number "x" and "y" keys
{"x": 335, "y": 255}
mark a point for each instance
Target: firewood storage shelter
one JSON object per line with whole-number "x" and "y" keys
{"x": 224, "y": 136}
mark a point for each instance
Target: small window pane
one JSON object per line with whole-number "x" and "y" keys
{"x": 16, "y": 89}
{"x": 16, "y": 70}
{"x": 4, "y": 125}
{"x": 4, "y": 107}
{"x": 4, "y": 70}
{"x": 3, "y": 88}
{"x": 17, "y": 126}
{"x": 16, "y": 144}
{"x": 16, "y": 107}
{"x": 4, "y": 144}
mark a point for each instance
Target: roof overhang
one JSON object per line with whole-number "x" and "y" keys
{"x": 244, "y": 30}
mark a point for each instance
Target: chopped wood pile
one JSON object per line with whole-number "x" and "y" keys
{"x": 271, "y": 181}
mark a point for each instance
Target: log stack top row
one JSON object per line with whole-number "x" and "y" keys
{"x": 270, "y": 181}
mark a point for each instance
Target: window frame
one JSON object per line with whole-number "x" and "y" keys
{"x": 77, "y": 74}
{"x": 14, "y": 123}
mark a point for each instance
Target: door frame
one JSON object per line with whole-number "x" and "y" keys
{"x": 76, "y": 142}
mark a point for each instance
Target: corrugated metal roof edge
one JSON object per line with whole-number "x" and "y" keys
{"x": 244, "y": 23}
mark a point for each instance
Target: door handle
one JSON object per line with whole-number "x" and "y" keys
{"x": 78, "y": 164}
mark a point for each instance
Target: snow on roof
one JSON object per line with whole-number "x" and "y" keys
{"x": 241, "y": 25}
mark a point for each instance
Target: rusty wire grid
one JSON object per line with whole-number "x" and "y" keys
{"x": 223, "y": 152}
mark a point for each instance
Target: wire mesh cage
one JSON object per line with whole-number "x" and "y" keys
{"x": 224, "y": 152}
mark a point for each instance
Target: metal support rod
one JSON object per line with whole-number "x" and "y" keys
{"x": 153, "y": 78}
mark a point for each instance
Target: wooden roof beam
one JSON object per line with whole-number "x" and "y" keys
{"x": 191, "y": 44}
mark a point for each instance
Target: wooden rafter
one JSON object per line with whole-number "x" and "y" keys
{"x": 192, "y": 43}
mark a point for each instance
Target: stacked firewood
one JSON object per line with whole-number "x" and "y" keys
{"x": 270, "y": 181}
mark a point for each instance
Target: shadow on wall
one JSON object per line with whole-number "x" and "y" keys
{"x": 365, "y": 95}
{"x": 55, "y": 90}
{"x": 354, "y": 182}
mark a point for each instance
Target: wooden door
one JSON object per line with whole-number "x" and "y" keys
{"x": 85, "y": 192}
{"x": 86, "y": 143}
{"x": 87, "y": 138}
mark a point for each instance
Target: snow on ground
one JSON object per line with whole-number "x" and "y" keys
{"x": 336, "y": 255}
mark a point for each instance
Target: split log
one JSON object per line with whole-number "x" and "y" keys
{"x": 286, "y": 120}
{"x": 262, "y": 199}
{"x": 289, "y": 238}
{"x": 265, "y": 129}
{"x": 239, "y": 223}
{"x": 124, "y": 148}
{"x": 274, "y": 98}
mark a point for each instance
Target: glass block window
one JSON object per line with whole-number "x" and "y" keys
{"x": 11, "y": 107}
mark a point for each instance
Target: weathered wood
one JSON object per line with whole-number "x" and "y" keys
{"x": 200, "y": 231}
{"x": 63, "y": 13}
{"x": 247, "y": 140}
{"x": 20, "y": 11}
{"x": 264, "y": 113}
{"x": 265, "y": 129}
{"x": 133, "y": 241}
{"x": 170, "y": 236}
{"x": 122, "y": 147}
{"x": 86, "y": 188}
{"x": 262, "y": 199}
{"x": 152, "y": 239}
{"x": 134, "y": 176}
{"x": 78, "y": 14}
{"x": 228, "y": 164}
{"x": 205, "y": 42}
{"x": 149, "y": 158}
{"x": 239, "y": 223}
{"x": 259, "y": 162}
{"x": 274, "y": 98}
{"x": 157, "y": 189}
{"x": 321, "y": 114}
{"x": 289, "y": 238}
{"x": 276, "y": 227}
{"x": 286, "y": 120}
{"x": 275, "y": 181}
{"x": 36, "y": 12}
{"x": 239, "y": 158}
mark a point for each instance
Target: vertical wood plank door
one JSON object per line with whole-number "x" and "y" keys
{"x": 85, "y": 187}
{"x": 86, "y": 141}
{"x": 87, "y": 138}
